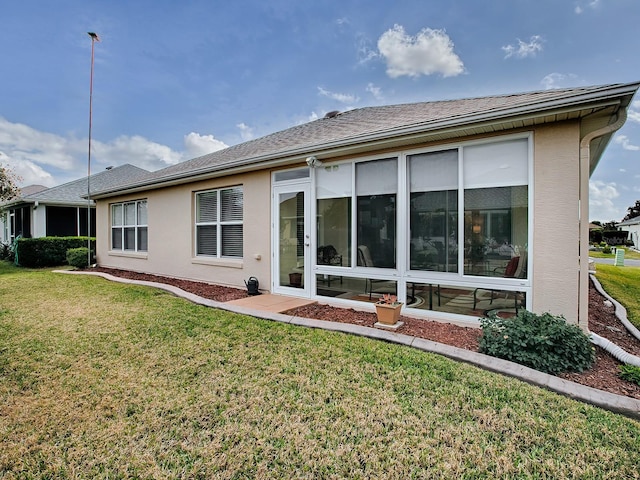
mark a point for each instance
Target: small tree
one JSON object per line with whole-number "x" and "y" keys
{"x": 8, "y": 184}
{"x": 632, "y": 211}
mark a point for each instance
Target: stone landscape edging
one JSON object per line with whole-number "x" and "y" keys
{"x": 609, "y": 401}
{"x": 620, "y": 311}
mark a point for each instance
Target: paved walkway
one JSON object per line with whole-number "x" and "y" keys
{"x": 271, "y": 303}
{"x": 609, "y": 261}
{"x": 268, "y": 308}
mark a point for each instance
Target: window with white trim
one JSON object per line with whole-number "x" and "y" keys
{"x": 129, "y": 226}
{"x": 219, "y": 223}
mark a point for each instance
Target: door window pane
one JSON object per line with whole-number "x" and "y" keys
{"x": 334, "y": 231}
{"x": 291, "y": 239}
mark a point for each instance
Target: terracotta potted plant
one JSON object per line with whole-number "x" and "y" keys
{"x": 388, "y": 309}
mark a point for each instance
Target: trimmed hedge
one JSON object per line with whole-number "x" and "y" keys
{"x": 47, "y": 251}
{"x": 78, "y": 257}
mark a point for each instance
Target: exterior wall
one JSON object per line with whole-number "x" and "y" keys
{"x": 555, "y": 223}
{"x": 171, "y": 229}
{"x": 634, "y": 235}
{"x": 553, "y": 254}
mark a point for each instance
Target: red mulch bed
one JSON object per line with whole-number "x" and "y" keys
{"x": 602, "y": 320}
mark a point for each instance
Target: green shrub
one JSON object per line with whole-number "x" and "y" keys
{"x": 543, "y": 342}
{"x": 5, "y": 251}
{"x": 606, "y": 249}
{"x": 47, "y": 251}
{"x": 78, "y": 257}
{"x": 630, "y": 373}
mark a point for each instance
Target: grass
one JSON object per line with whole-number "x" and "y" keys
{"x": 103, "y": 380}
{"x": 628, "y": 254}
{"x": 623, "y": 284}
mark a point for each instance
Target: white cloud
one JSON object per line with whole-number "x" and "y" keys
{"x": 29, "y": 173}
{"x": 634, "y": 112}
{"x": 246, "y": 132}
{"x": 340, "y": 97}
{"x": 557, "y": 80}
{"x": 375, "y": 91}
{"x": 601, "y": 206}
{"x": 49, "y": 159}
{"x": 626, "y": 144}
{"x": 589, "y": 3}
{"x": 136, "y": 150}
{"x": 429, "y": 52}
{"x": 21, "y": 142}
{"x": 197, "y": 145}
{"x": 523, "y": 49}
{"x": 365, "y": 50}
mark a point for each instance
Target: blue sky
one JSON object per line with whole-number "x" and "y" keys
{"x": 177, "y": 79}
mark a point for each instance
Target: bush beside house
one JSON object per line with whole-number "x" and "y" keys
{"x": 544, "y": 342}
{"x": 78, "y": 257}
{"x": 48, "y": 251}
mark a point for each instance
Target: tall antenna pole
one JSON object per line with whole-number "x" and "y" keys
{"x": 94, "y": 39}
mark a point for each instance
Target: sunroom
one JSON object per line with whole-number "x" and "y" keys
{"x": 447, "y": 228}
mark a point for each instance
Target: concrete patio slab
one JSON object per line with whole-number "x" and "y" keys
{"x": 271, "y": 303}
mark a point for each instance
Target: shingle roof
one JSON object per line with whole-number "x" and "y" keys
{"x": 30, "y": 189}
{"x": 380, "y": 122}
{"x": 73, "y": 192}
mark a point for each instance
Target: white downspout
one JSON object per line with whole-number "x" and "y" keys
{"x": 583, "y": 221}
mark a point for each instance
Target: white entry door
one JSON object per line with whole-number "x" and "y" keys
{"x": 291, "y": 240}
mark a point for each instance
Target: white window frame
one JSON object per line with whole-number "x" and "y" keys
{"x": 218, "y": 223}
{"x": 136, "y": 225}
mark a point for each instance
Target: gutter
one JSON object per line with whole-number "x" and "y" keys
{"x": 583, "y": 220}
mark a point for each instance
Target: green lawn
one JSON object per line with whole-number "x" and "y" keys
{"x": 623, "y": 284}
{"x": 628, "y": 254}
{"x": 104, "y": 380}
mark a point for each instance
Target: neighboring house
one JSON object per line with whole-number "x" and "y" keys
{"x": 632, "y": 226}
{"x": 62, "y": 210}
{"x": 460, "y": 207}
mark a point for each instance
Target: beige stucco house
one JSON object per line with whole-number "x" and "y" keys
{"x": 460, "y": 207}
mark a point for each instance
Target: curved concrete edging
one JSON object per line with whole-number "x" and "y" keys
{"x": 609, "y": 401}
{"x": 620, "y": 311}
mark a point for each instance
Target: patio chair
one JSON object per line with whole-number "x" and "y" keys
{"x": 365, "y": 260}
{"x": 516, "y": 268}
